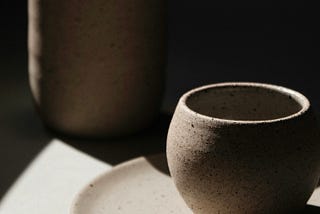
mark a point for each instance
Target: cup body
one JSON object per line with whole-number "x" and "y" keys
{"x": 244, "y": 148}
{"x": 96, "y": 68}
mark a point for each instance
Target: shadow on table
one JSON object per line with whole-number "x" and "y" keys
{"x": 22, "y": 138}
{"x": 117, "y": 150}
{"x": 159, "y": 162}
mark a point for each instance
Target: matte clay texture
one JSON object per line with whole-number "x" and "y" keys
{"x": 140, "y": 186}
{"x": 244, "y": 148}
{"x": 97, "y": 67}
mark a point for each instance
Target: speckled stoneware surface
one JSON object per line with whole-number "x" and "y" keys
{"x": 97, "y": 67}
{"x": 135, "y": 187}
{"x": 244, "y": 148}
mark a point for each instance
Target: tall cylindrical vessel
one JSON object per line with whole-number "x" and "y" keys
{"x": 96, "y": 68}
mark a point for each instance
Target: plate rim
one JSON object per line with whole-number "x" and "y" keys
{"x": 102, "y": 175}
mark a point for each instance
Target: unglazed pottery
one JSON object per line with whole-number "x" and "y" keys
{"x": 134, "y": 187}
{"x": 96, "y": 67}
{"x": 244, "y": 148}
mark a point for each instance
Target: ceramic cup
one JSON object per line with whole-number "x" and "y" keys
{"x": 244, "y": 148}
{"x": 97, "y": 67}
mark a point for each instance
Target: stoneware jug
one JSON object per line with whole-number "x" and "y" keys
{"x": 96, "y": 67}
{"x": 244, "y": 148}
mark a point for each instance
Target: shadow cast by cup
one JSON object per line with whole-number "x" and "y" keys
{"x": 159, "y": 162}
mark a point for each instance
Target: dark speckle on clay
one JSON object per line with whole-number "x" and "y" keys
{"x": 253, "y": 153}
{"x": 110, "y": 46}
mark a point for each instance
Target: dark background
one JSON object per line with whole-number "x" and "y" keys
{"x": 262, "y": 41}
{"x": 209, "y": 41}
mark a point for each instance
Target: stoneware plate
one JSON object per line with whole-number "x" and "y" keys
{"x": 142, "y": 185}
{"x": 139, "y": 186}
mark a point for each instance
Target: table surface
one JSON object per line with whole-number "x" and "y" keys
{"x": 41, "y": 172}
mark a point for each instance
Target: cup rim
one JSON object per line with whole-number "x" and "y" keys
{"x": 297, "y": 96}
